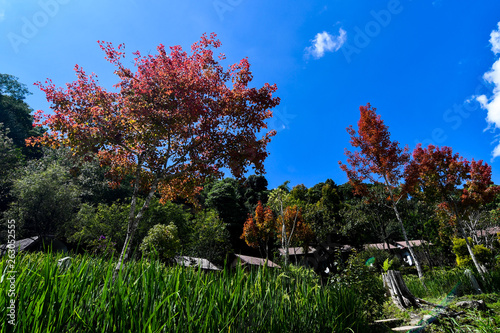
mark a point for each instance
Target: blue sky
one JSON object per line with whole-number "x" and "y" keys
{"x": 429, "y": 67}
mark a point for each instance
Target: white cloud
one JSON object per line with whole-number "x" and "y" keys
{"x": 324, "y": 42}
{"x": 496, "y": 151}
{"x": 3, "y": 5}
{"x": 492, "y": 104}
{"x": 495, "y": 40}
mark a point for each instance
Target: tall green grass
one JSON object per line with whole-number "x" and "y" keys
{"x": 453, "y": 282}
{"x": 149, "y": 297}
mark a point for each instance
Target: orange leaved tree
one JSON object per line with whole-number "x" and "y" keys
{"x": 379, "y": 161}
{"x": 173, "y": 121}
{"x": 259, "y": 230}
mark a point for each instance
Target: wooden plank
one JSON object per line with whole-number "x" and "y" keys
{"x": 407, "y": 328}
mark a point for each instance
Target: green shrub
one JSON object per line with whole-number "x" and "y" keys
{"x": 440, "y": 282}
{"x": 379, "y": 256}
{"x": 358, "y": 276}
{"x": 303, "y": 274}
{"x": 387, "y": 265}
{"x": 210, "y": 238}
{"x": 93, "y": 221}
{"x": 103, "y": 247}
{"x": 392, "y": 264}
{"x": 162, "y": 242}
{"x": 482, "y": 253}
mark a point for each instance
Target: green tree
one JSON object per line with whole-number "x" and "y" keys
{"x": 161, "y": 242}
{"x": 110, "y": 220}
{"x": 10, "y": 86}
{"x": 254, "y": 190}
{"x": 92, "y": 222}
{"x": 210, "y": 238}
{"x": 167, "y": 213}
{"x": 15, "y": 114}
{"x": 225, "y": 197}
{"x": 10, "y": 160}
{"x": 45, "y": 200}
{"x": 91, "y": 177}
{"x": 323, "y": 211}
{"x": 369, "y": 221}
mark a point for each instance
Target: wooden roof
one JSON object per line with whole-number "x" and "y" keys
{"x": 20, "y": 245}
{"x": 247, "y": 260}
{"x": 296, "y": 251}
{"x": 196, "y": 262}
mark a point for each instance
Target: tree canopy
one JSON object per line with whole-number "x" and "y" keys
{"x": 174, "y": 122}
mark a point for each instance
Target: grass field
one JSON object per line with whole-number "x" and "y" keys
{"x": 149, "y": 297}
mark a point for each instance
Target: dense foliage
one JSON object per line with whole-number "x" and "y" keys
{"x": 161, "y": 242}
{"x": 149, "y": 297}
{"x": 88, "y": 201}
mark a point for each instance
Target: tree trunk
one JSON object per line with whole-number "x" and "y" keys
{"x": 480, "y": 269}
{"x": 428, "y": 254}
{"x": 398, "y": 290}
{"x": 410, "y": 248}
{"x": 133, "y": 222}
{"x": 384, "y": 235}
{"x": 469, "y": 247}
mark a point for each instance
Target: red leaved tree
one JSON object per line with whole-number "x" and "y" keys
{"x": 461, "y": 186}
{"x": 171, "y": 123}
{"x": 292, "y": 229}
{"x": 379, "y": 161}
{"x": 259, "y": 230}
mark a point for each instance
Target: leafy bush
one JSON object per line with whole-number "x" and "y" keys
{"x": 162, "y": 242}
{"x": 377, "y": 259}
{"x": 92, "y": 222}
{"x": 103, "y": 247}
{"x": 366, "y": 283}
{"x": 46, "y": 200}
{"x": 304, "y": 274}
{"x": 210, "y": 238}
{"x": 482, "y": 253}
{"x": 111, "y": 220}
{"x": 392, "y": 264}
